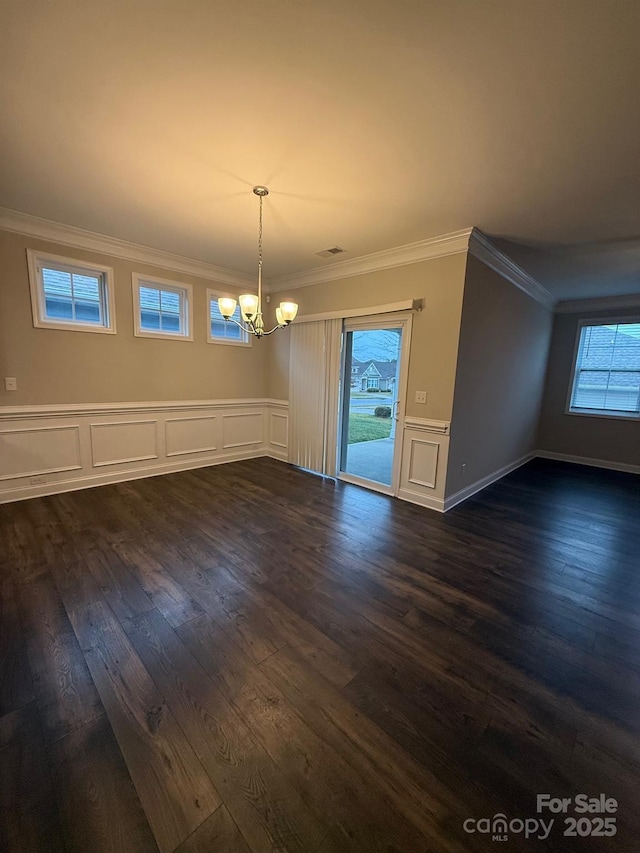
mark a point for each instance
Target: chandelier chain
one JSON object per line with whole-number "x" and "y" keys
{"x": 260, "y": 235}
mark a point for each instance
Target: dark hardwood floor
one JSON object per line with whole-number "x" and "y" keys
{"x": 251, "y": 658}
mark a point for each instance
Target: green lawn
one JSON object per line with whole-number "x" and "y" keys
{"x": 367, "y": 428}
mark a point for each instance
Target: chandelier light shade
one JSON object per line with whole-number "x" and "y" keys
{"x": 227, "y": 306}
{"x": 251, "y": 303}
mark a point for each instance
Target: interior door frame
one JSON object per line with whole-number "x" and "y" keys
{"x": 404, "y": 321}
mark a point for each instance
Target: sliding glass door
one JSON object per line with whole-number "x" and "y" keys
{"x": 373, "y": 382}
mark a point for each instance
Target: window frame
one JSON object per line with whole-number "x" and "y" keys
{"x": 184, "y": 291}
{"x": 246, "y": 337}
{"x": 596, "y": 413}
{"x": 37, "y": 260}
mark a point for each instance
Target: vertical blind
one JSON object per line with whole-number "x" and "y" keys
{"x": 313, "y": 395}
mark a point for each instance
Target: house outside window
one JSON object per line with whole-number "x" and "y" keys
{"x": 606, "y": 369}
{"x": 374, "y": 375}
{"x": 71, "y": 295}
{"x": 162, "y": 309}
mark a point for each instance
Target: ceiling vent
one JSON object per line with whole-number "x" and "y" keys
{"x": 329, "y": 253}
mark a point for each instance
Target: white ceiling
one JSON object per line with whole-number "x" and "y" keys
{"x": 375, "y": 124}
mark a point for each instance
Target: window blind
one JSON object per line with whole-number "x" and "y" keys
{"x": 607, "y": 370}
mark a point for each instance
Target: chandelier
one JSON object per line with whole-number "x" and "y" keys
{"x": 250, "y": 304}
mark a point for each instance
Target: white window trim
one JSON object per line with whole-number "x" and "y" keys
{"x": 246, "y": 340}
{"x": 186, "y": 302}
{"x": 36, "y": 260}
{"x": 596, "y": 413}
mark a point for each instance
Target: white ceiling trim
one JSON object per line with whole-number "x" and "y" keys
{"x": 604, "y": 303}
{"x": 412, "y": 253}
{"x": 68, "y": 235}
{"x": 470, "y": 240}
{"x": 483, "y": 249}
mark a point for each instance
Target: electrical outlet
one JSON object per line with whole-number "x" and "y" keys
{"x": 38, "y": 481}
{"x": 10, "y": 383}
{"x": 421, "y": 396}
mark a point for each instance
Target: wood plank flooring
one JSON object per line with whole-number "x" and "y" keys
{"x": 250, "y": 658}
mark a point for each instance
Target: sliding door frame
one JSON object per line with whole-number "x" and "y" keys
{"x": 404, "y": 321}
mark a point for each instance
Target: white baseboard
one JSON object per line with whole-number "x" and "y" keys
{"x": 468, "y": 491}
{"x": 91, "y": 481}
{"x": 585, "y": 460}
{"x": 422, "y": 500}
{"x": 276, "y": 453}
{"x": 46, "y": 450}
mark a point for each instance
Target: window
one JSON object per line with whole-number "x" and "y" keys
{"x": 372, "y": 383}
{"x": 606, "y": 379}
{"x": 162, "y": 309}
{"x": 221, "y": 331}
{"x": 69, "y": 294}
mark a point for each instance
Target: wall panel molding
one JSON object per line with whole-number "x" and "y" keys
{"x": 423, "y": 469}
{"x": 50, "y": 449}
{"x": 427, "y": 425}
{"x": 423, "y": 464}
{"x": 119, "y": 442}
{"x": 39, "y": 451}
{"x": 191, "y": 434}
{"x": 242, "y": 429}
{"x": 77, "y": 409}
{"x": 279, "y": 429}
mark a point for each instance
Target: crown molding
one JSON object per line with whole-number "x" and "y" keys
{"x": 69, "y": 235}
{"x": 412, "y": 253}
{"x": 483, "y": 249}
{"x": 469, "y": 240}
{"x": 598, "y": 303}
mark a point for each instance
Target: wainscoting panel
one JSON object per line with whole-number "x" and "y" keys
{"x": 278, "y": 429}
{"x": 423, "y": 470}
{"x": 123, "y": 441}
{"x": 37, "y": 450}
{"x": 57, "y": 448}
{"x": 194, "y": 434}
{"x": 423, "y": 463}
{"x": 242, "y": 429}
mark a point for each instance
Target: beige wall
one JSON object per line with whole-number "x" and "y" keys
{"x": 54, "y": 366}
{"x": 608, "y": 439}
{"x": 432, "y": 360}
{"x": 504, "y": 341}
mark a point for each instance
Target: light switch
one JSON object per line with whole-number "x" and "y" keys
{"x": 421, "y": 396}
{"x": 10, "y": 383}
